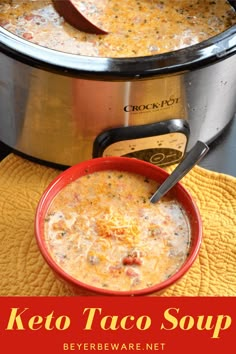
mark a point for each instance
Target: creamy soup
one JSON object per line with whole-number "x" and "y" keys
{"x": 136, "y": 27}
{"x": 102, "y": 230}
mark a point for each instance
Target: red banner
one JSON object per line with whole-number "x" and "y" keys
{"x": 120, "y": 325}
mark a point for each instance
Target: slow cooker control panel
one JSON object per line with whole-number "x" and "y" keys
{"x": 162, "y": 143}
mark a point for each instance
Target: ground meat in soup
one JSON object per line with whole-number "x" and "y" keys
{"x": 136, "y": 27}
{"x": 102, "y": 230}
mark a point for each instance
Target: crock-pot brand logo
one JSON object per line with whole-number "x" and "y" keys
{"x": 154, "y": 106}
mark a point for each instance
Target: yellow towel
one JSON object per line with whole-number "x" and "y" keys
{"x": 23, "y": 271}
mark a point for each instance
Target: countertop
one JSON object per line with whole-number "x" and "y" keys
{"x": 222, "y": 154}
{"x": 220, "y": 158}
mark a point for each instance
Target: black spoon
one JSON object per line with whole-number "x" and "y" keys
{"x": 192, "y": 158}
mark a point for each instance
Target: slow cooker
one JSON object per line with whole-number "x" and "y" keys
{"x": 64, "y": 108}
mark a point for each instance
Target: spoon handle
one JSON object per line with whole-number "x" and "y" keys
{"x": 192, "y": 158}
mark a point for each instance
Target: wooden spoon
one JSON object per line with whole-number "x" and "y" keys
{"x": 72, "y": 15}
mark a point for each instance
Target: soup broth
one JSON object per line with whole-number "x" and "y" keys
{"x": 136, "y": 28}
{"x": 102, "y": 230}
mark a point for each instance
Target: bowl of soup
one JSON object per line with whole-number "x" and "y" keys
{"x": 98, "y": 231}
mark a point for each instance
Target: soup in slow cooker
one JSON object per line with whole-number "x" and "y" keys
{"x": 136, "y": 27}
{"x": 102, "y": 230}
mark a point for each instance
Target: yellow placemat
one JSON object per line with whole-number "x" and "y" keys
{"x": 23, "y": 271}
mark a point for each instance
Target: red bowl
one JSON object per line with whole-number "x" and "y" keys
{"x": 121, "y": 164}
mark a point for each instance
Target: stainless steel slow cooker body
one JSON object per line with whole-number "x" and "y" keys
{"x": 54, "y": 105}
